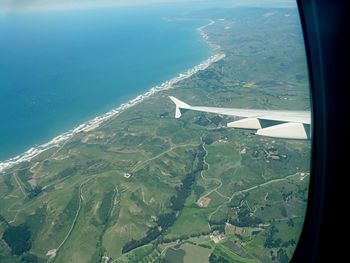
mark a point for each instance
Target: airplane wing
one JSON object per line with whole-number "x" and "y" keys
{"x": 292, "y": 124}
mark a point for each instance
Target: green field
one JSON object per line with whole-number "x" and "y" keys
{"x": 190, "y": 221}
{"x": 195, "y": 253}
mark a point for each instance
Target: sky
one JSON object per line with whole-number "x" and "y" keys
{"x": 42, "y": 5}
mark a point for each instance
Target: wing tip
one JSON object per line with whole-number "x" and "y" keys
{"x": 179, "y": 103}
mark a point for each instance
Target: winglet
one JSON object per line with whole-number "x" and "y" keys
{"x": 179, "y": 105}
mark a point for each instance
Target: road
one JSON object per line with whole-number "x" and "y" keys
{"x": 250, "y": 189}
{"x": 81, "y": 199}
{"x": 159, "y": 155}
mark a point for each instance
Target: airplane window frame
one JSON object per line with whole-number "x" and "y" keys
{"x": 326, "y": 41}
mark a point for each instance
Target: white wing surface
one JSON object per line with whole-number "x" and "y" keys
{"x": 293, "y": 124}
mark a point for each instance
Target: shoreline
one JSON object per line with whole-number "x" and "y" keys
{"x": 94, "y": 123}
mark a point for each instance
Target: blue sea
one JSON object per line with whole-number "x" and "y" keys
{"x": 60, "y": 69}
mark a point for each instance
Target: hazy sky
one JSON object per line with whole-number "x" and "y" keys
{"x": 35, "y": 5}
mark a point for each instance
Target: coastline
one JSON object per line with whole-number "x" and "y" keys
{"x": 94, "y": 123}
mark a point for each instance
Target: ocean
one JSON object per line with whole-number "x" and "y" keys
{"x": 60, "y": 69}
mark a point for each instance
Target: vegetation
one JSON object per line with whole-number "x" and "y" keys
{"x": 18, "y": 238}
{"x": 147, "y": 187}
{"x": 35, "y": 191}
{"x": 177, "y": 203}
{"x": 223, "y": 255}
